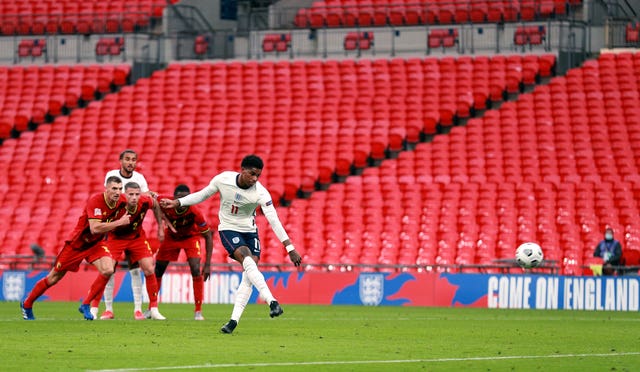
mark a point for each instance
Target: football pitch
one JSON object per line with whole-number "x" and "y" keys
{"x": 320, "y": 338}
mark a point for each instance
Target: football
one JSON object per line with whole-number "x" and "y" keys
{"x": 529, "y": 255}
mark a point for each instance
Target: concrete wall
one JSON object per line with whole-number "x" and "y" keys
{"x": 329, "y": 43}
{"x": 70, "y": 49}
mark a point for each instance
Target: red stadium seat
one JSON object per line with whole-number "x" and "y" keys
{"x": 358, "y": 40}
{"x": 632, "y": 34}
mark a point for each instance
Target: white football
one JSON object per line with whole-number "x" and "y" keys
{"x": 529, "y": 255}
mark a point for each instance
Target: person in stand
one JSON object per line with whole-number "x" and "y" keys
{"x": 189, "y": 225}
{"x": 610, "y": 251}
{"x": 127, "y": 173}
{"x": 85, "y": 243}
{"x": 240, "y": 194}
{"x": 131, "y": 240}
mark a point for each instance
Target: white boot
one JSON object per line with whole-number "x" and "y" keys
{"x": 155, "y": 314}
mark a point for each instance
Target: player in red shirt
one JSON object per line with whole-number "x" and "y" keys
{"x": 189, "y": 224}
{"x": 131, "y": 239}
{"x": 100, "y": 216}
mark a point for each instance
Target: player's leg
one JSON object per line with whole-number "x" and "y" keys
{"x": 243, "y": 293}
{"x": 115, "y": 249}
{"x": 108, "y": 298}
{"x": 166, "y": 254}
{"x": 198, "y": 286}
{"x": 245, "y": 248}
{"x": 105, "y": 266}
{"x": 107, "y": 294}
{"x": 161, "y": 267}
{"x": 68, "y": 259}
{"x": 257, "y": 279}
{"x": 142, "y": 253}
{"x": 26, "y": 306}
{"x": 136, "y": 288}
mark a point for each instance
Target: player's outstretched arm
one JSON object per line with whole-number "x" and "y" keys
{"x": 168, "y": 203}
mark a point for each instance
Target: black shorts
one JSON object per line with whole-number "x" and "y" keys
{"x": 232, "y": 240}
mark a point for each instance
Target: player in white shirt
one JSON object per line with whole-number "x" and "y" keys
{"x": 127, "y": 173}
{"x": 240, "y": 195}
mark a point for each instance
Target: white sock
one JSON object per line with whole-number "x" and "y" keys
{"x": 108, "y": 294}
{"x": 242, "y": 297}
{"x": 136, "y": 288}
{"x": 257, "y": 279}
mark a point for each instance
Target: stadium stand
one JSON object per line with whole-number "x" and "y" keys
{"x": 237, "y": 89}
{"x": 509, "y": 177}
{"x": 349, "y": 13}
{"x": 36, "y": 17}
{"x": 35, "y": 94}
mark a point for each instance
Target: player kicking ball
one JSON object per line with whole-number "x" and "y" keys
{"x": 240, "y": 194}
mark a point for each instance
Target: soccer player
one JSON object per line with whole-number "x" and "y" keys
{"x": 189, "y": 225}
{"x": 240, "y": 195}
{"x": 131, "y": 239}
{"x": 127, "y": 173}
{"x": 85, "y": 243}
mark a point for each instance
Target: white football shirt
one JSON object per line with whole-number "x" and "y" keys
{"x": 238, "y": 206}
{"x": 135, "y": 177}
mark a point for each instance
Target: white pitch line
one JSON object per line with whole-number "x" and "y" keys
{"x": 347, "y": 362}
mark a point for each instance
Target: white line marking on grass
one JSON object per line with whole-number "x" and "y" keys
{"x": 347, "y": 362}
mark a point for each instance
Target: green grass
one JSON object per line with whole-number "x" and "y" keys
{"x": 321, "y": 338}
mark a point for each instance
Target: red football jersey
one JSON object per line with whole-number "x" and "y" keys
{"x": 95, "y": 209}
{"x": 188, "y": 223}
{"x": 133, "y": 229}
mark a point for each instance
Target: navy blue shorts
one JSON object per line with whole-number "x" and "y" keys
{"x": 232, "y": 240}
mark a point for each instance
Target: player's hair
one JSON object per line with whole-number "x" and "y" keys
{"x": 131, "y": 185}
{"x": 113, "y": 179}
{"x": 252, "y": 161}
{"x": 128, "y": 151}
{"x": 181, "y": 188}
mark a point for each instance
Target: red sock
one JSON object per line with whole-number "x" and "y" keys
{"x": 198, "y": 284}
{"x": 97, "y": 288}
{"x": 152, "y": 289}
{"x": 96, "y": 300}
{"x": 41, "y": 286}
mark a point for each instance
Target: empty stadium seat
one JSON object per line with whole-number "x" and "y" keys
{"x": 632, "y": 33}
{"x": 529, "y": 35}
{"x": 358, "y": 40}
{"x": 276, "y": 42}
{"x": 445, "y": 38}
{"x": 201, "y": 45}
{"x": 32, "y": 48}
{"x": 109, "y": 46}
